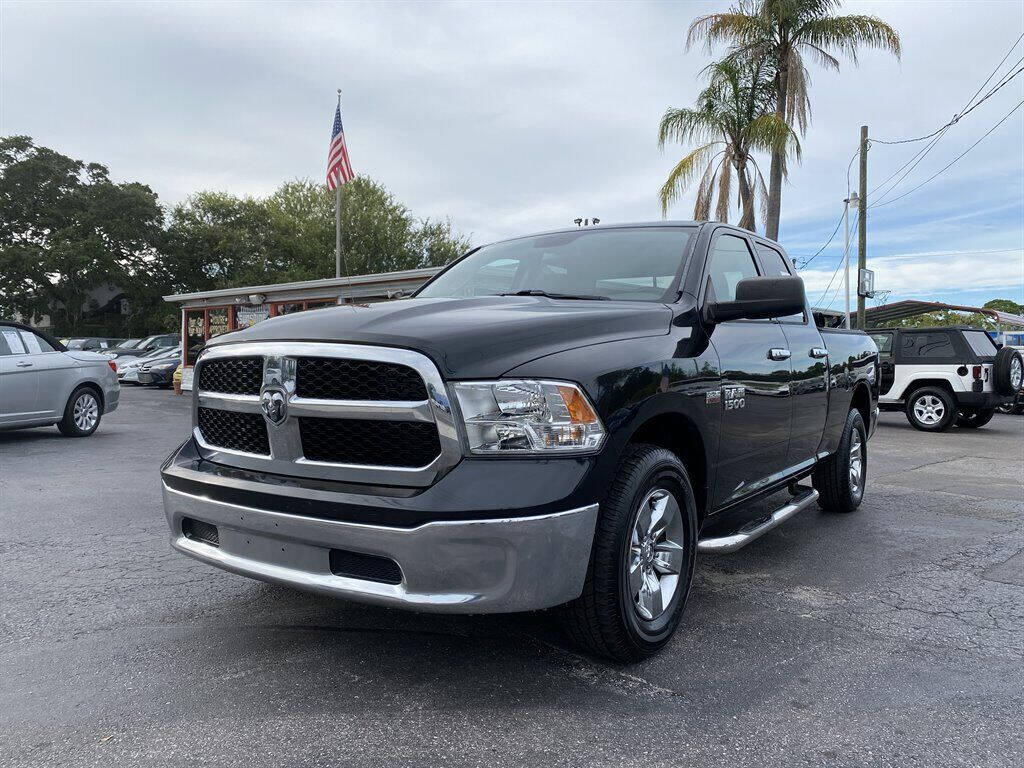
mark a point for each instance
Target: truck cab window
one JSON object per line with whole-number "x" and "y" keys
{"x": 730, "y": 261}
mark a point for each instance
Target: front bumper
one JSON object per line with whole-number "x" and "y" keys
{"x": 156, "y": 377}
{"x": 497, "y": 565}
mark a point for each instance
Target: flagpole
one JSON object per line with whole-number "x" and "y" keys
{"x": 337, "y": 219}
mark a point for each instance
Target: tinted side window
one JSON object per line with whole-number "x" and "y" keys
{"x": 772, "y": 261}
{"x": 883, "y": 341}
{"x": 4, "y": 347}
{"x": 730, "y": 262}
{"x": 926, "y": 346}
{"x": 775, "y": 265}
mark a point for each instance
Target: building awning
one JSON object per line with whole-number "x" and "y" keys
{"x": 887, "y": 313}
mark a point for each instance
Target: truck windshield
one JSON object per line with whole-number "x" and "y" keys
{"x": 631, "y": 264}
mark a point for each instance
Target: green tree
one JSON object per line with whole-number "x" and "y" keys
{"x": 1005, "y": 305}
{"x": 230, "y": 241}
{"x": 787, "y": 31}
{"x": 732, "y": 119}
{"x": 66, "y": 229}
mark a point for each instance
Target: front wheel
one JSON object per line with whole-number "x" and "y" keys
{"x": 930, "y": 409}
{"x": 641, "y": 562}
{"x": 975, "y": 417}
{"x": 840, "y": 479}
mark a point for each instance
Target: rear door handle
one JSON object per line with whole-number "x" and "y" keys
{"x": 778, "y": 353}
{"x": 24, "y": 365}
{"x": 819, "y": 352}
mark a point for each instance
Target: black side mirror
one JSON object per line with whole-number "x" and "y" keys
{"x": 759, "y": 298}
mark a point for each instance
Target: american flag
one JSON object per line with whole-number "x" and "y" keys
{"x": 339, "y": 167}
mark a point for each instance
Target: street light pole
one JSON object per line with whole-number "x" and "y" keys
{"x": 851, "y": 200}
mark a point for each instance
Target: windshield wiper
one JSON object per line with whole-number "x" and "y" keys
{"x": 536, "y": 292}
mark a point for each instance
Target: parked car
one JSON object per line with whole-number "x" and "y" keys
{"x": 92, "y": 343}
{"x": 945, "y": 375}
{"x": 128, "y": 368}
{"x": 44, "y": 383}
{"x": 159, "y": 372}
{"x": 1016, "y": 405}
{"x": 163, "y": 341}
{"x": 563, "y": 419}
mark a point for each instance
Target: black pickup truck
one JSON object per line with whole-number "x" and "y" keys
{"x": 564, "y": 419}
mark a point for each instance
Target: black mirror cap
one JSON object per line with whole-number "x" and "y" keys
{"x": 760, "y": 298}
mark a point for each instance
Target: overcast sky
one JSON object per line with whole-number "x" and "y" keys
{"x": 516, "y": 117}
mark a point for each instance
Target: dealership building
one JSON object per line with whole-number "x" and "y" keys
{"x": 209, "y": 313}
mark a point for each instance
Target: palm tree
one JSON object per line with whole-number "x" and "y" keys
{"x": 733, "y": 117}
{"x": 787, "y": 31}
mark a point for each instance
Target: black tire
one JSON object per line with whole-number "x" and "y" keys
{"x": 604, "y": 618}
{"x": 972, "y": 418}
{"x": 82, "y": 413}
{"x": 1008, "y": 371}
{"x": 935, "y": 402}
{"x": 834, "y": 478}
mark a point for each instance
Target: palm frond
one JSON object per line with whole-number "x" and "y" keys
{"x": 731, "y": 27}
{"x": 682, "y": 125}
{"x": 760, "y": 191}
{"x": 848, "y": 33}
{"x": 681, "y": 175}
{"x": 771, "y": 133}
{"x": 706, "y": 190}
{"x": 798, "y": 86}
{"x": 724, "y": 188}
{"x": 823, "y": 57}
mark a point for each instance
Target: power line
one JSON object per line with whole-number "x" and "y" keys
{"x": 969, "y": 107}
{"x": 965, "y": 111}
{"x": 838, "y": 223}
{"x": 954, "y": 160}
{"x": 836, "y": 272}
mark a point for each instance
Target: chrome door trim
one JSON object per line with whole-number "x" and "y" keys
{"x": 286, "y": 457}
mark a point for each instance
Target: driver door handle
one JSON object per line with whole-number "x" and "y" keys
{"x": 24, "y": 364}
{"x": 819, "y": 352}
{"x": 778, "y": 353}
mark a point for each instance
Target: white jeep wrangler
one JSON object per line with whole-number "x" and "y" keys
{"x": 939, "y": 376}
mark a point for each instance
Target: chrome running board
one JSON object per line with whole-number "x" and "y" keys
{"x": 723, "y": 545}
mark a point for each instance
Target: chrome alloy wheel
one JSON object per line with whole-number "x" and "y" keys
{"x": 87, "y": 412}
{"x": 929, "y": 409}
{"x": 856, "y": 463}
{"x": 1016, "y": 373}
{"x": 655, "y": 556}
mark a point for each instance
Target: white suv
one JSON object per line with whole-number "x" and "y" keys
{"x": 939, "y": 376}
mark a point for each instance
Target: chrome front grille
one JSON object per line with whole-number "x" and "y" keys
{"x": 343, "y": 412}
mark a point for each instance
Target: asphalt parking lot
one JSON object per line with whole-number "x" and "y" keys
{"x": 894, "y": 636}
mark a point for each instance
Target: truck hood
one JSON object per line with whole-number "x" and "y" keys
{"x": 467, "y": 338}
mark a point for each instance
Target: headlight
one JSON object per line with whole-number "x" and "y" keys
{"x": 524, "y": 416}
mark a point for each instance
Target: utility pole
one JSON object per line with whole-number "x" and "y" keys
{"x": 862, "y": 222}
{"x": 851, "y": 200}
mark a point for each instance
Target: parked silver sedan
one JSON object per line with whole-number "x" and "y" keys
{"x": 42, "y": 383}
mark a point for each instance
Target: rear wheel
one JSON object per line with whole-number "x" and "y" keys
{"x": 641, "y": 562}
{"x": 930, "y": 409}
{"x": 840, "y": 479}
{"x": 81, "y": 414}
{"x": 972, "y": 418}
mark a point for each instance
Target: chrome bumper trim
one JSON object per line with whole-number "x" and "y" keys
{"x": 474, "y": 566}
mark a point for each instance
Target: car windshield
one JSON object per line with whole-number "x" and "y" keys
{"x": 632, "y": 264}
{"x": 76, "y": 343}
